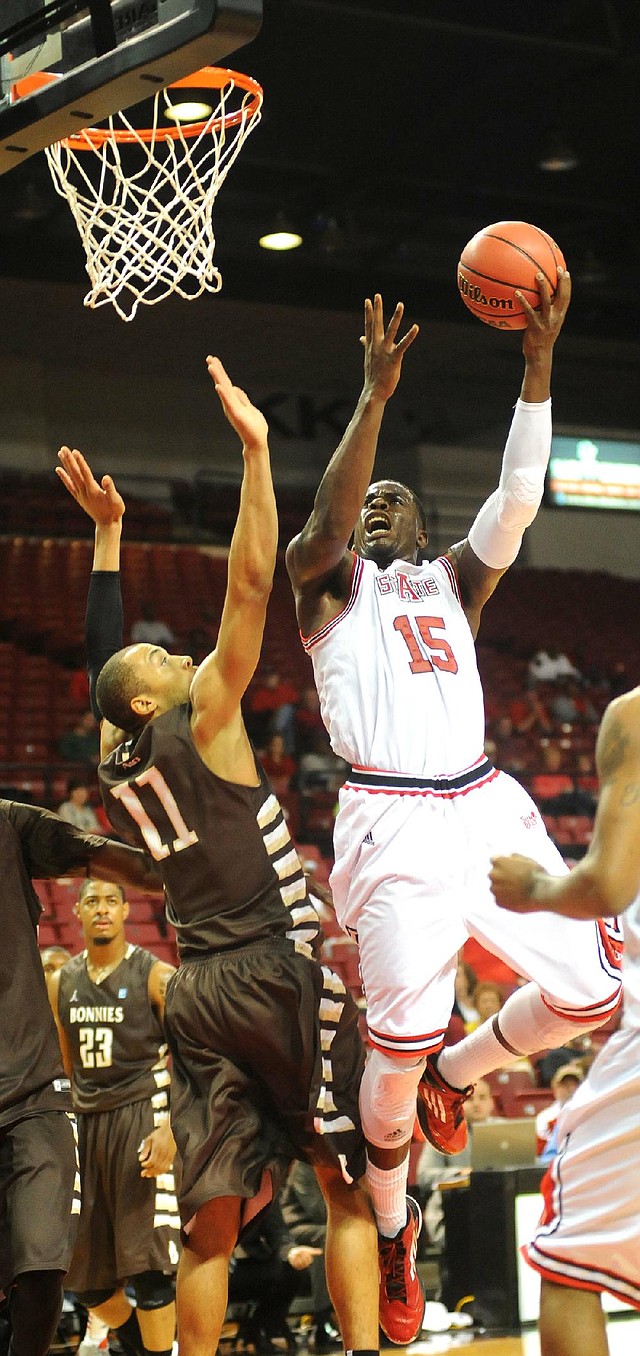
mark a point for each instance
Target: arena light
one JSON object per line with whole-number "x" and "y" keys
{"x": 282, "y": 235}
{"x": 188, "y": 111}
{"x": 557, "y": 158}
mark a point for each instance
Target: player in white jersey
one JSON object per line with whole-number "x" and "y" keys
{"x": 422, "y": 812}
{"x": 588, "y": 1239}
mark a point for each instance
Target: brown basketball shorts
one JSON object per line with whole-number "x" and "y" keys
{"x": 128, "y": 1223}
{"x": 267, "y": 1062}
{"x": 39, "y": 1194}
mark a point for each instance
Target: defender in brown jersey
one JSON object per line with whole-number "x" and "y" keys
{"x": 108, "y": 1004}
{"x": 266, "y": 1054}
{"x": 39, "y": 1179}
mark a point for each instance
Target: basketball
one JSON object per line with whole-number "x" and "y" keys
{"x": 501, "y": 258}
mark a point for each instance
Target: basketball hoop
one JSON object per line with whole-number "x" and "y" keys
{"x": 143, "y": 202}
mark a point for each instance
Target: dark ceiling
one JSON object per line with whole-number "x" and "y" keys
{"x": 393, "y": 130}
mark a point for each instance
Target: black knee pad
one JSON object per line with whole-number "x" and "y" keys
{"x": 153, "y": 1289}
{"x": 92, "y": 1299}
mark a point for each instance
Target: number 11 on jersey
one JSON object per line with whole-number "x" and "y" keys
{"x": 125, "y": 793}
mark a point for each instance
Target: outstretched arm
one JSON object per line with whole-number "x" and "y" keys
{"x": 607, "y": 880}
{"x": 496, "y": 535}
{"x": 104, "y": 619}
{"x": 53, "y": 989}
{"x": 319, "y": 550}
{"x": 222, "y": 678}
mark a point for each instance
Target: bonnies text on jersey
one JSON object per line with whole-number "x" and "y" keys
{"x": 410, "y": 590}
{"x": 101, "y": 1014}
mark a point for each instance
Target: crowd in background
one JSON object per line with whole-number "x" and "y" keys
{"x": 542, "y": 731}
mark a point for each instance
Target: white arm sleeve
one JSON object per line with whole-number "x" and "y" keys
{"x": 496, "y": 535}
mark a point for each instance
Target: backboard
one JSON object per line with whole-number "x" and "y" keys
{"x": 107, "y": 55}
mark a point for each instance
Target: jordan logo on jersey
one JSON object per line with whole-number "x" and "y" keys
{"x": 408, "y": 589}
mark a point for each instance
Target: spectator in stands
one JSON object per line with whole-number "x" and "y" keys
{"x": 305, "y": 1216}
{"x": 551, "y": 664}
{"x": 79, "y": 683}
{"x": 563, "y": 706}
{"x": 82, "y": 743}
{"x": 53, "y": 958}
{"x": 547, "y": 1062}
{"x": 488, "y": 998}
{"x": 308, "y": 722}
{"x": 76, "y": 808}
{"x": 572, "y": 706}
{"x": 319, "y": 767}
{"x": 620, "y": 680}
{"x": 587, "y": 709}
{"x": 201, "y": 638}
{"x": 266, "y": 1270}
{"x": 552, "y": 781}
{"x": 466, "y": 982}
{"x": 278, "y": 764}
{"x": 151, "y": 629}
{"x": 529, "y": 713}
{"x": 586, "y": 779}
{"x": 564, "y": 1082}
{"x": 511, "y": 748}
{"x": 270, "y": 709}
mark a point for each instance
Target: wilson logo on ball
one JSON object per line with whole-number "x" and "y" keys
{"x": 501, "y": 259}
{"x": 475, "y": 294}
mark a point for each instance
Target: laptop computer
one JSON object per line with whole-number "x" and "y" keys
{"x": 503, "y": 1143}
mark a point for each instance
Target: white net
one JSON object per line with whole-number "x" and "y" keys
{"x": 143, "y": 201}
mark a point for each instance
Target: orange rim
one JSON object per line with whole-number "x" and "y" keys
{"x": 210, "y": 77}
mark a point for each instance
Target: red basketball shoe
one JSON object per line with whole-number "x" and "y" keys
{"x": 440, "y": 1114}
{"x": 401, "y": 1295}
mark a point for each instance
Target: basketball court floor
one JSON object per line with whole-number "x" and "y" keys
{"x": 623, "y": 1333}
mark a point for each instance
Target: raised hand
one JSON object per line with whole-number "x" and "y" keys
{"x": 248, "y": 422}
{"x": 101, "y": 501}
{"x": 544, "y": 324}
{"x": 382, "y": 355}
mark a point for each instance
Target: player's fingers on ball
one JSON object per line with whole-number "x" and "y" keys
{"x": 564, "y": 287}
{"x": 526, "y": 305}
{"x": 545, "y": 293}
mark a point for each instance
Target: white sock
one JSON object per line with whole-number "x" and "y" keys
{"x": 388, "y": 1187}
{"x": 525, "y": 1024}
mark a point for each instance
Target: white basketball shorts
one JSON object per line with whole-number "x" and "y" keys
{"x": 411, "y": 884}
{"x": 589, "y": 1234}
